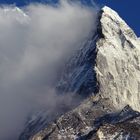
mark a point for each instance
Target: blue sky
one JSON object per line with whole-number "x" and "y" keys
{"x": 129, "y": 10}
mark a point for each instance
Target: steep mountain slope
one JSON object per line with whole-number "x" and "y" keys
{"x": 107, "y": 65}
{"x": 118, "y": 58}
{"x": 79, "y": 68}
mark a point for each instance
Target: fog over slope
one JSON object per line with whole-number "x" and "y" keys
{"x": 34, "y": 42}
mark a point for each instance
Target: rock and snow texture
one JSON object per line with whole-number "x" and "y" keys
{"x": 108, "y": 115}
{"x": 118, "y": 61}
{"x": 93, "y": 121}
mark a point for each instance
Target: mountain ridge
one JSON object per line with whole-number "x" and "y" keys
{"x": 120, "y": 45}
{"x": 106, "y": 113}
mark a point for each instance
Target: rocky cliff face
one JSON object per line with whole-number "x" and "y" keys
{"x": 108, "y": 66}
{"x": 118, "y": 57}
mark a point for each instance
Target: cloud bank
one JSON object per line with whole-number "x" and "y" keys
{"x": 34, "y": 42}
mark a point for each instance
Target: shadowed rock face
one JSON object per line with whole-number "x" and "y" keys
{"x": 110, "y": 70}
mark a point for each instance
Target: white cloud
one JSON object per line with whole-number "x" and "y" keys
{"x": 32, "y": 47}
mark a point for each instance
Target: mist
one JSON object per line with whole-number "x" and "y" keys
{"x": 35, "y": 43}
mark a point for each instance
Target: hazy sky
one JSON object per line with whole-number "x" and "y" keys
{"x": 34, "y": 44}
{"x": 129, "y": 10}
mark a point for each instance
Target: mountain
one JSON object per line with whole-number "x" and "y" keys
{"x": 106, "y": 72}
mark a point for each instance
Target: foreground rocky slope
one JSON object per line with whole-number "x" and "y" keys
{"x": 111, "y": 67}
{"x": 84, "y": 123}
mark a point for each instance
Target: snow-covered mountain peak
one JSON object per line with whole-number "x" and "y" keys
{"x": 14, "y": 10}
{"x": 118, "y": 61}
{"x": 108, "y": 65}
{"x": 110, "y": 20}
{"x": 15, "y": 14}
